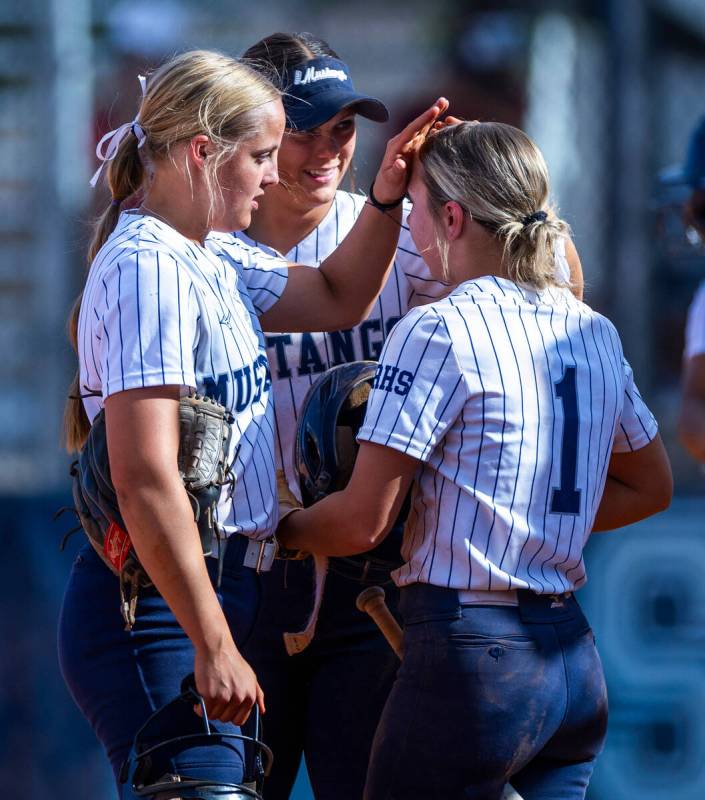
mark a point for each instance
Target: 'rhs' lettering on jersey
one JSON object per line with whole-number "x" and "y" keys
{"x": 389, "y": 378}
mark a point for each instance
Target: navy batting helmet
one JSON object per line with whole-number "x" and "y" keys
{"x": 332, "y": 413}
{"x": 144, "y": 770}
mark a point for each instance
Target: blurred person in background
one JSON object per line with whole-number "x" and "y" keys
{"x": 325, "y": 701}
{"x": 166, "y": 309}
{"x": 511, "y": 408}
{"x": 691, "y": 422}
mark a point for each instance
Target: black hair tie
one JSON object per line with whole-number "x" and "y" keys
{"x": 537, "y": 216}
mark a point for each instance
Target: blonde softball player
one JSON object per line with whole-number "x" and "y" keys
{"x": 510, "y": 406}
{"x": 164, "y": 309}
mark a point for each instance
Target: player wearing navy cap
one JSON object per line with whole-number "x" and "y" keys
{"x": 340, "y": 681}
{"x": 164, "y": 310}
{"x": 510, "y": 406}
{"x": 691, "y": 424}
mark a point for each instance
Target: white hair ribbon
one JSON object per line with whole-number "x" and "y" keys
{"x": 107, "y": 147}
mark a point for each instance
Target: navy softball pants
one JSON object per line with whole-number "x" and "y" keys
{"x": 119, "y": 678}
{"x": 324, "y": 702}
{"x": 488, "y": 695}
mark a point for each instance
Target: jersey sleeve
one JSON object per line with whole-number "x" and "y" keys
{"x": 695, "y": 325}
{"x": 423, "y": 287}
{"x": 637, "y": 425}
{"x": 149, "y": 323}
{"x": 264, "y": 274}
{"x": 418, "y": 390}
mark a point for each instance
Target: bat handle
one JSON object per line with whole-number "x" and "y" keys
{"x": 371, "y": 601}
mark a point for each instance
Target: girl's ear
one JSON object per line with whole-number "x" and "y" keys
{"x": 199, "y": 148}
{"x": 453, "y": 219}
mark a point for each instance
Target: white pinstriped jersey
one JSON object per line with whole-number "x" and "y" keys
{"x": 158, "y": 310}
{"x": 695, "y": 327}
{"x": 296, "y": 360}
{"x": 512, "y": 400}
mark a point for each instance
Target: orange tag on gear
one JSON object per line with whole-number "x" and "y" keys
{"x": 116, "y": 546}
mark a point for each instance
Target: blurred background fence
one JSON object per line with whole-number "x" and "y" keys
{"x": 610, "y": 90}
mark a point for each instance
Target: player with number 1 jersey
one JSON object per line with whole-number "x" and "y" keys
{"x": 510, "y": 406}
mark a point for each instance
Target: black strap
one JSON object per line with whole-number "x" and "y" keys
{"x": 373, "y": 201}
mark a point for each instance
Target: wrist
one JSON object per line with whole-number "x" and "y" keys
{"x": 381, "y": 202}
{"x": 288, "y": 546}
{"x": 214, "y": 640}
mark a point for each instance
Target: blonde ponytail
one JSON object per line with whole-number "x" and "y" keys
{"x": 76, "y": 424}
{"x": 499, "y": 177}
{"x": 529, "y": 249}
{"x": 125, "y": 176}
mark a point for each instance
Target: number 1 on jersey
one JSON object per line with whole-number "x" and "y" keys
{"x": 566, "y": 498}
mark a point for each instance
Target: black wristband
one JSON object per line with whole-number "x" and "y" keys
{"x": 373, "y": 201}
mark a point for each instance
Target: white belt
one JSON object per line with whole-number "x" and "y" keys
{"x": 473, "y": 597}
{"x": 260, "y": 555}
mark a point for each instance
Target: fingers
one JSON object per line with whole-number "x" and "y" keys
{"x": 393, "y": 173}
{"x": 411, "y": 137}
{"x": 237, "y": 707}
{"x": 442, "y": 105}
{"x": 228, "y": 687}
{"x": 422, "y": 124}
{"x": 439, "y": 124}
{"x": 237, "y": 713}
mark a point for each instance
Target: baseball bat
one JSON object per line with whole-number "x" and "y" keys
{"x": 371, "y": 601}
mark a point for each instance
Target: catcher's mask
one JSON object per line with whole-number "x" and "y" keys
{"x": 145, "y": 779}
{"x": 332, "y": 413}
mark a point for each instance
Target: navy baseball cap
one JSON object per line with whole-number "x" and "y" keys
{"x": 317, "y": 90}
{"x": 692, "y": 171}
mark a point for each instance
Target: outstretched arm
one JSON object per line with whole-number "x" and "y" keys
{"x": 343, "y": 290}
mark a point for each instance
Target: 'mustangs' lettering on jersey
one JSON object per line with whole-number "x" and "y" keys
{"x": 389, "y": 378}
{"x": 340, "y": 347}
{"x": 217, "y": 389}
{"x": 249, "y": 384}
{"x": 310, "y": 362}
